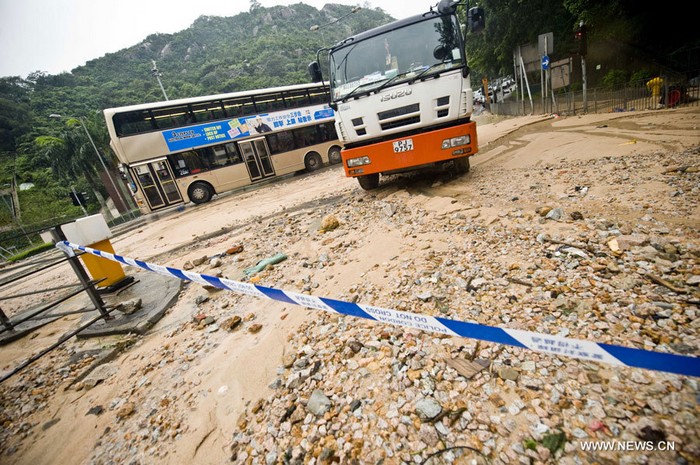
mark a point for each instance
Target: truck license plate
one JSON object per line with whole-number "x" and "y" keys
{"x": 405, "y": 145}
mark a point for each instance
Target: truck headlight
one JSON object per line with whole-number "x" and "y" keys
{"x": 456, "y": 142}
{"x": 358, "y": 161}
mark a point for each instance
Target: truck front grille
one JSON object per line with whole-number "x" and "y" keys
{"x": 401, "y": 122}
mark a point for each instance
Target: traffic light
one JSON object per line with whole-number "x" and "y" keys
{"x": 581, "y": 37}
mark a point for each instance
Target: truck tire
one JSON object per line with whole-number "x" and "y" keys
{"x": 461, "y": 165}
{"x": 369, "y": 181}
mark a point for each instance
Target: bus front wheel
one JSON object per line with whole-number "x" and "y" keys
{"x": 369, "y": 181}
{"x": 200, "y": 192}
{"x": 313, "y": 162}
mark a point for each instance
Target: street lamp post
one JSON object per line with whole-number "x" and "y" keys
{"x": 316, "y": 27}
{"x": 99, "y": 157}
{"x": 157, "y": 75}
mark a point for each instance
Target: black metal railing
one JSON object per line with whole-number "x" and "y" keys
{"x": 10, "y": 324}
{"x": 634, "y": 96}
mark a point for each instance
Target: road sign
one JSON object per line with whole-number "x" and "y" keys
{"x": 545, "y": 62}
{"x": 561, "y": 73}
{"x": 545, "y": 43}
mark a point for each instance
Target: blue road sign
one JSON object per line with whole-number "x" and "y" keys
{"x": 545, "y": 62}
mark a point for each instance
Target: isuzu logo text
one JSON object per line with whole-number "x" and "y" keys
{"x": 396, "y": 94}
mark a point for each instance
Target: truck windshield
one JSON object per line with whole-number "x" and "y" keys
{"x": 419, "y": 49}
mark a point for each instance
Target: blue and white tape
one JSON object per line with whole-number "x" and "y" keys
{"x": 555, "y": 345}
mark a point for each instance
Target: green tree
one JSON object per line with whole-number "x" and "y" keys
{"x": 15, "y": 113}
{"x": 71, "y": 156}
{"x": 510, "y": 23}
{"x": 615, "y": 79}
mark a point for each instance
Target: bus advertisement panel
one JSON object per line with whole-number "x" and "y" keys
{"x": 238, "y": 128}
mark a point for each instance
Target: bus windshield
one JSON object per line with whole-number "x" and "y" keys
{"x": 399, "y": 55}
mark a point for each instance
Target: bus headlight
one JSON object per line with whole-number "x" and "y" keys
{"x": 358, "y": 161}
{"x": 456, "y": 142}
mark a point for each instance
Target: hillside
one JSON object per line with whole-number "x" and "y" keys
{"x": 260, "y": 48}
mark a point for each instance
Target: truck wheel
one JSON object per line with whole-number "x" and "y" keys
{"x": 461, "y": 165}
{"x": 369, "y": 181}
{"x": 200, "y": 192}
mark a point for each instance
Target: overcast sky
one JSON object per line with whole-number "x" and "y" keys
{"x": 59, "y": 35}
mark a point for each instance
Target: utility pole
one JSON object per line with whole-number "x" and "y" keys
{"x": 316, "y": 27}
{"x": 581, "y": 37}
{"x": 585, "y": 94}
{"x": 157, "y": 75}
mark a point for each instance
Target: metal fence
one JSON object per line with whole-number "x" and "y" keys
{"x": 633, "y": 97}
{"x": 23, "y": 321}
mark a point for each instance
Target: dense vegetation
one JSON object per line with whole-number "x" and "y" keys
{"x": 267, "y": 47}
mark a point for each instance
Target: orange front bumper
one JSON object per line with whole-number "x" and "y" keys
{"x": 427, "y": 148}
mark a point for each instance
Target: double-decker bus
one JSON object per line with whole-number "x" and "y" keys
{"x": 190, "y": 149}
{"x": 402, "y": 95}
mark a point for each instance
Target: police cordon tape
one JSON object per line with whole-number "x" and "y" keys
{"x": 554, "y": 345}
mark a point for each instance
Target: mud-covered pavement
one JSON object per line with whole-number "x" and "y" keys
{"x": 559, "y": 228}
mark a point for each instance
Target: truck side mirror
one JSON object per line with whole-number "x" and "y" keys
{"x": 315, "y": 72}
{"x": 447, "y": 7}
{"x": 476, "y": 20}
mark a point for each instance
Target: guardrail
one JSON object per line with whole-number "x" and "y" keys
{"x": 10, "y": 328}
{"x": 633, "y": 97}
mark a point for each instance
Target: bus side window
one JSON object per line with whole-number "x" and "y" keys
{"x": 178, "y": 164}
{"x": 269, "y": 103}
{"x": 172, "y": 117}
{"x": 194, "y": 161}
{"x": 273, "y": 143}
{"x": 297, "y": 98}
{"x": 208, "y": 111}
{"x": 326, "y": 132}
{"x": 305, "y": 137}
{"x": 135, "y": 122}
{"x": 280, "y": 142}
{"x": 234, "y": 156}
{"x": 216, "y": 112}
{"x": 286, "y": 141}
{"x": 219, "y": 156}
{"x": 318, "y": 96}
{"x": 240, "y": 106}
{"x": 206, "y": 157}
